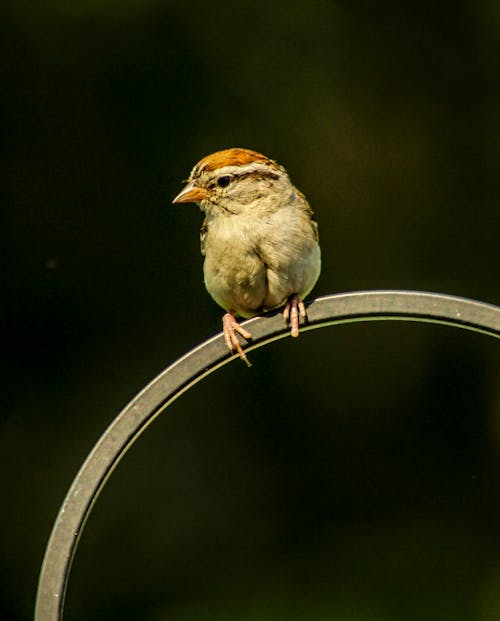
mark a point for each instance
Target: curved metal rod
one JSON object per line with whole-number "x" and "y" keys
{"x": 193, "y": 367}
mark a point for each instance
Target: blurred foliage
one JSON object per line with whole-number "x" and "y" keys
{"x": 350, "y": 475}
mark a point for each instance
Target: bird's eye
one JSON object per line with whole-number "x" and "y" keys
{"x": 222, "y": 182}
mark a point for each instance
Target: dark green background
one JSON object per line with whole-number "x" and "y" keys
{"x": 352, "y": 474}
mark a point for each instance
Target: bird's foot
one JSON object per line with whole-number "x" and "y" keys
{"x": 230, "y": 327}
{"x": 293, "y": 308}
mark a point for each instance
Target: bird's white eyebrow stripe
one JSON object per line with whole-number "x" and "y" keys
{"x": 239, "y": 171}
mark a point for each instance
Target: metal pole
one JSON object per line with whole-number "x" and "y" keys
{"x": 196, "y": 365}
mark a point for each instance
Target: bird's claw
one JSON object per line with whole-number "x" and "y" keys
{"x": 230, "y": 327}
{"x": 293, "y": 309}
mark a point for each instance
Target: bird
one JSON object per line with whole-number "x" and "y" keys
{"x": 259, "y": 239}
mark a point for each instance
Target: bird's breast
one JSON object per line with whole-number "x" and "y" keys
{"x": 235, "y": 275}
{"x": 255, "y": 264}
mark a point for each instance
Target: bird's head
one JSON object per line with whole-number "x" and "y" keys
{"x": 234, "y": 181}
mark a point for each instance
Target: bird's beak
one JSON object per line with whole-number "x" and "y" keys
{"x": 190, "y": 194}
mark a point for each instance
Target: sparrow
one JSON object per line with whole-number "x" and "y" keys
{"x": 259, "y": 239}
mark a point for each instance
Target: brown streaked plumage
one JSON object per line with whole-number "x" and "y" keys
{"x": 259, "y": 238}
